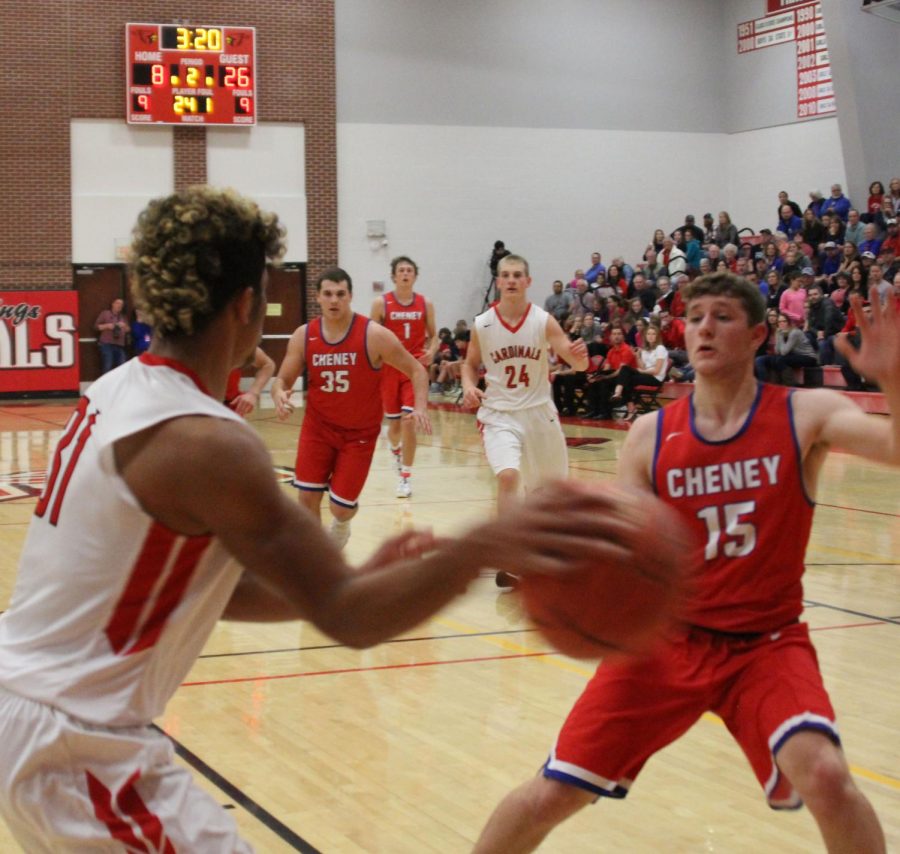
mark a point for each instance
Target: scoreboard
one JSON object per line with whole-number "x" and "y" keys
{"x": 179, "y": 74}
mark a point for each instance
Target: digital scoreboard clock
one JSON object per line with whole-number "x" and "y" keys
{"x": 179, "y": 74}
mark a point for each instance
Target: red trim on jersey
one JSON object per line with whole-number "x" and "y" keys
{"x": 505, "y": 325}
{"x": 128, "y": 805}
{"x": 155, "y": 560}
{"x": 154, "y": 361}
{"x": 74, "y": 423}
{"x": 118, "y": 826}
{"x": 70, "y": 467}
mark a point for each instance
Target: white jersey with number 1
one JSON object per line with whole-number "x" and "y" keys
{"x": 515, "y": 359}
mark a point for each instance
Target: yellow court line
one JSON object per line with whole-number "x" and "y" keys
{"x": 561, "y": 663}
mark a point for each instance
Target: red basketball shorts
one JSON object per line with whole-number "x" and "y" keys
{"x": 764, "y": 687}
{"x": 334, "y": 459}
{"x": 397, "y": 395}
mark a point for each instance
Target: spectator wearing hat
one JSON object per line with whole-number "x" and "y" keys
{"x": 690, "y": 227}
{"x": 854, "y": 232}
{"x": 830, "y": 258}
{"x": 838, "y": 203}
{"x": 892, "y": 236}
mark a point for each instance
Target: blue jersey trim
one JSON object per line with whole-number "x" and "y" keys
{"x": 790, "y": 407}
{"x": 743, "y": 429}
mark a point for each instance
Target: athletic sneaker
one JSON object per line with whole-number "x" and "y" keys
{"x": 436, "y": 388}
{"x": 340, "y": 533}
{"x": 404, "y": 489}
{"x": 506, "y": 581}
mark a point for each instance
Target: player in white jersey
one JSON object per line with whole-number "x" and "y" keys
{"x": 161, "y": 513}
{"x": 523, "y": 439}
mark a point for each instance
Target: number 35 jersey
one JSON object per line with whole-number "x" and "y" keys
{"x": 344, "y": 388}
{"x": 746, "y": 501}
{"x": 515, "y": 359}
{"x": 110, "y": 607}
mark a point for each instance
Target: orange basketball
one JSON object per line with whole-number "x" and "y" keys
{"x": 617, "y": 608}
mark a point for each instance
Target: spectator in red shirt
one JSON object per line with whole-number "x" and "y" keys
{"x": 601, "y": 384}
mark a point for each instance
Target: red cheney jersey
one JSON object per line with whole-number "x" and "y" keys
{"x": 744, "y": 497}
{"x": 407, "y": 322}
{"x": 344, "y": 388}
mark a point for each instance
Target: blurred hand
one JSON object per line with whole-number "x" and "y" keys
{"x": 245, "y": 403}
{"x": 283, "y": 405}
{"x": 472, "y": 398}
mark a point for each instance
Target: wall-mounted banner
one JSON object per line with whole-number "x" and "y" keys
{"x": 38, "y": 341}
{"x": 773, "y": 7}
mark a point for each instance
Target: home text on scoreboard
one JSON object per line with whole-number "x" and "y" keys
{"x": 180, "y": 75}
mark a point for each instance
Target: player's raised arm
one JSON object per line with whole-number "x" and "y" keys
{"x": 291, "y": 367}
{"x": 386, "y": 347}
{"x": 472, "y": 395}
{"x": 573, "y": 353}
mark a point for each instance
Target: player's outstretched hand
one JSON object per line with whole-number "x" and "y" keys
{"x": 245, "y": 403}
{"x": 472, "y": 398}
{"x": 409, "y": 544}
{"x": 283, "y": 405}
{"x": 568, "y": 525}
{"x": 878, "y": 357}
{"x": 420, "y": 419}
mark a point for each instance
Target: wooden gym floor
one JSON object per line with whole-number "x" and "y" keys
{"x": 408, "y": 747}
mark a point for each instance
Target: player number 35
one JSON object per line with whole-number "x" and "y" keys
{"x": 335, "y": 381}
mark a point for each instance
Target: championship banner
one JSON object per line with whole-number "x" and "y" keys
{"x": 38, "y": 341}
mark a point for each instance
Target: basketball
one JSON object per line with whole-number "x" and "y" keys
{"x": 619, "y": 608}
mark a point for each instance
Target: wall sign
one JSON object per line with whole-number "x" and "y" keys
{"x": 180, "y": 75}
{"x": 38, "y": 341}
{"x": 803, "y": 25}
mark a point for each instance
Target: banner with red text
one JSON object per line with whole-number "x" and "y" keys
{"x": 38, "y": 341}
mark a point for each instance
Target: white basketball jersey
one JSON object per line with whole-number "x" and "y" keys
{"x": 515, "y": 359}
{"x": 111, "y": 608}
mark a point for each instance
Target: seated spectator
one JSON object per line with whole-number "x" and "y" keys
{"x": 760, "y": 266}
{"x": 838, "y": 203}
{"x": 729, "y": 256}
{"x": 854, "y": 230}
{"x": 854, "y": 381}
{"x": 767, "y": 348}
{"x": 635, "y": 312}
{"x": 689, "y": 228}
{"x": 876, "y": 199}
{"x": 892, "y": 197}
{"x": 677, "y": 305}
{"x": 705, "y": 266}
{"x": 823, "y": 321}
{"x": 671, "y": 330}
{"x": 591, "y": 329}
{"x": 602, "y": 288}
{"x": 446, "y": 351}
{"x": 889, "y": 262}
{"x": 713, "y": 255}
{"x": 709, "y": 230}
{"x": 838, "y": 294}
{"x": 652, "y": 269}
{"x": 651, "y": 370}
{"x": 788, "y": 223}
{"x": 816, "y": 203}
{"x": 641, "y": 289}
{"x": 784, "y": 199}
{"x": 813, "y": 232}
{"x": 777, "y": 286}
{"x": 573, "y": 284}
{"x": 726, "y": 231}
{"x": 625, "y": 270}
{"x": 793, "y": 260}
{"x": 859, "y": 277}
{"x": 656, "y": 243}
{"x": 693, "y": 251}
{"x": 595, "y": 269}
{"x": 741, "y": 266}
{"x": 582, "y": 300}
{"x": 773, "y": 258}
{"x": 849, "y": 257}
{"x": 672, "y": 258}
{"x": 461, "y": 330}
{"x": 830, "y": 259}
{"x": 892, "y": 236}
{"x": 616, "y": 280}
{"x": 792, "y": 350}
{"x": 566, "y": 382}
{"x": 559, "y": 302}
{"x": 870, "y": 241}
{"x": 792, "y": 303}
{"x": 664, "y": 295}
{"x": 600, "y": 383}
{"x": 876, "y": 280}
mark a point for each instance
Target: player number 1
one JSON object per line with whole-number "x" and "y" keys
{"x": 740, "y": 535}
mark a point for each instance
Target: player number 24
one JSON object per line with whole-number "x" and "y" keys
{"x": 726, "y": 528}
{"x": 512, "y": 381}
{"x": 335, "y": 381}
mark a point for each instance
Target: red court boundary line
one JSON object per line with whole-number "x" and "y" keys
{"x": 368, "y": 669}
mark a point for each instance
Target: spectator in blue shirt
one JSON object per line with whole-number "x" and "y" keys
{"x": 838, "y": 203}
{"x": 871, "y": 243}
{"x": 789, "y": 223}
{"x": 595, "y": 270}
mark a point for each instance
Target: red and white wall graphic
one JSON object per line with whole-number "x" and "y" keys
{"x": 798, "y": 21}
{"x": 38, "y": 341}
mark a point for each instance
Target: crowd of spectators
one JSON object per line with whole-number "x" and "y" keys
{"x": 806, "y": 266}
